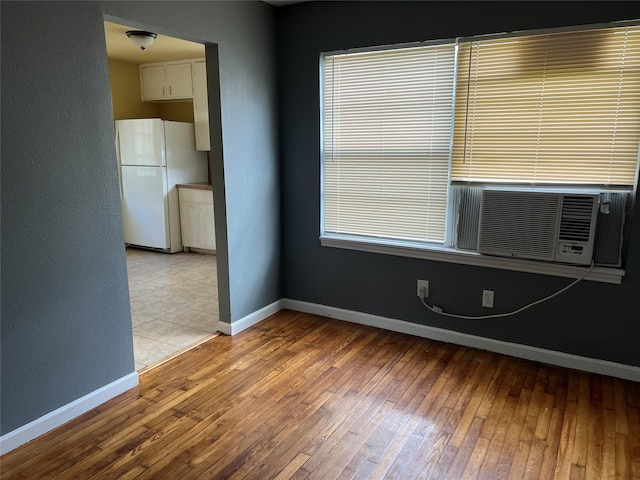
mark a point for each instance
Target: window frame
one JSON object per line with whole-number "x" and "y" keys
{"x": 323, "y": 55}
{"x": 446, "y": 252}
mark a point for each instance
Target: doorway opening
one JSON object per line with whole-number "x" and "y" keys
{"x": 173, "y": 296}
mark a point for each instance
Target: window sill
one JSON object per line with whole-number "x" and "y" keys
{"x": 451, "y": 255}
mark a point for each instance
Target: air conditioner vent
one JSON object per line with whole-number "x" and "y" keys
{"x": 518, "y": 224}
{"x": 541, "y": 225}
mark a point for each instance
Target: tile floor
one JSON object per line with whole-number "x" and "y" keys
{"x": 174, "y": 302}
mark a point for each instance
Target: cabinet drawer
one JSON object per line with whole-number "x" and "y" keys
{"x": 196, "y": 195}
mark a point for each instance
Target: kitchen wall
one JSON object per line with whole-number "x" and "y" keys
{"x": 65, "y": 317}
{"x": 176, "y": 111}
{"x": 593, "y": 319}
{"x": 124, "y": 79}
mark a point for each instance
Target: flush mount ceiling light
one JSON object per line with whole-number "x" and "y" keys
{"x": 141, "y": 38}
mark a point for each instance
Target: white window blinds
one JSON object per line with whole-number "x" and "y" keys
{"x": 559, "y": 108}
{"x": 387, "y": 137}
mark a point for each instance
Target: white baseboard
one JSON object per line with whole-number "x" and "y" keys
{"x": 251, "y": 319}
{"x": 552, "y": 357}
{"x": 51, "y": 420}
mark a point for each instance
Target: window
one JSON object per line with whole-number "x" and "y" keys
{"x": 403, "y": 126}
{"x": 387, "y": 136}
{"x": 559, "y": 108}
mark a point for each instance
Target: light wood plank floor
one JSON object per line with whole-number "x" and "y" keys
{"x": 301, "y": 396}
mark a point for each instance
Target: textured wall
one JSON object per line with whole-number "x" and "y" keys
{"x": 66, "y": 327}
{"x": 593, "y": 319}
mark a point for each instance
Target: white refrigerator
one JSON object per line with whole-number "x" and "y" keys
{"x": 153, "y": 156}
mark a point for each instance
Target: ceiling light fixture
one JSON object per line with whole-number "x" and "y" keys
{"x": 141, "y": 38}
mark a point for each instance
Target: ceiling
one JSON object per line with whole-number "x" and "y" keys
{"x": 282, "y": 3}
{"x": 164, "y": 49}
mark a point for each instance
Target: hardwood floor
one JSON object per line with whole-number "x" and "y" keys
{"x": 301, "y": 396}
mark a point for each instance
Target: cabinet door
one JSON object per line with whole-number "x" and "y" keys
{"x": 189, "y": 223}
{"x": 207, "y": 225}
{"x": 196, "y": 218}
{"x": 152, "y": 82}
{"x": 179, "y": 80}
{"x": 201, "y": 106}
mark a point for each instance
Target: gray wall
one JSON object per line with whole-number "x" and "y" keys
{"x": 66, "y": 327}
{"x": 593, "y": 319}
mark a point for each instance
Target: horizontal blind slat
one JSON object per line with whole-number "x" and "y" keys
{"x": 556, "y": 108}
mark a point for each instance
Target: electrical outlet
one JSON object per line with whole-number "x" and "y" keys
{"x": 487, "y": 298}
{"x": 423, "y": 288}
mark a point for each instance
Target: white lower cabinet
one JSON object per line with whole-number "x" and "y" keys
{"x": 197, "y": 218}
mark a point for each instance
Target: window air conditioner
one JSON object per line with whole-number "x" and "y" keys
{"x": 539, "y": 225}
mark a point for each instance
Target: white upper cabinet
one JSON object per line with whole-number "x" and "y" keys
{"x": 166, "y": 81}
{"x": 201, "y": 105}
{"x": 152, "y": 82}
{"x": 179, "y": 80}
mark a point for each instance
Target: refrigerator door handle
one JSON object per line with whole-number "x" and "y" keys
{"x": 118, "y": 160}
{"x": 117, "y": 144}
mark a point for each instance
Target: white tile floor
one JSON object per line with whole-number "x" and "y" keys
{"x": 174, "y": 302}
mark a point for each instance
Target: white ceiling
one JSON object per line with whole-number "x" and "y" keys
{"x": 164, "y": 49}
